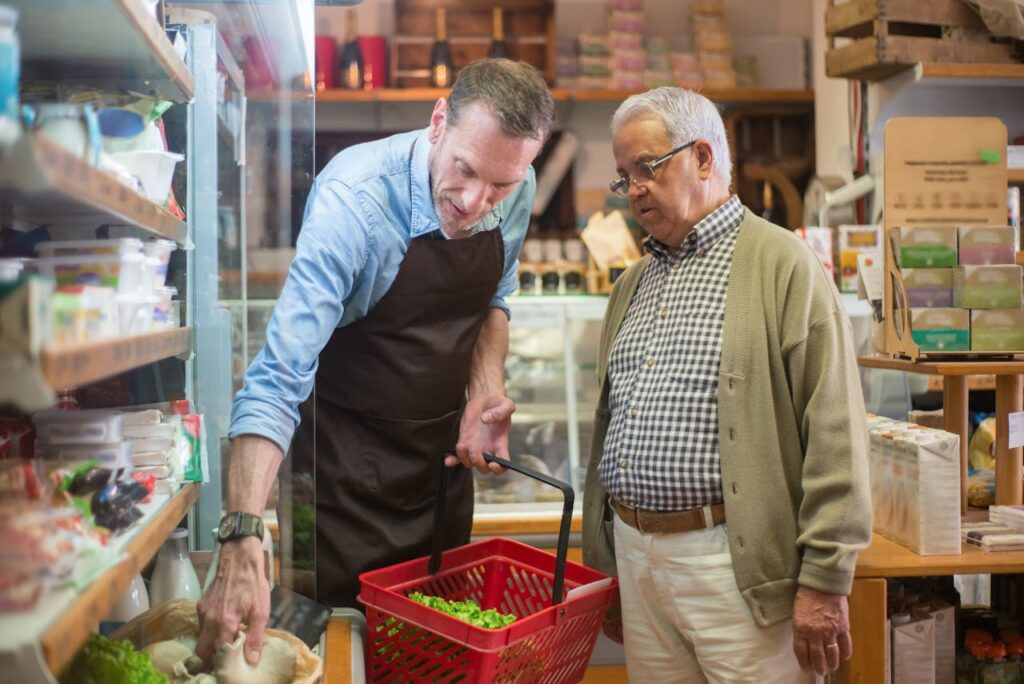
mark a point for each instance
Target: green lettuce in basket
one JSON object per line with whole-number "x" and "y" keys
{"x": 467, "y": 611}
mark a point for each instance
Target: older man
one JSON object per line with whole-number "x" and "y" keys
{"x": 727, "y": 484}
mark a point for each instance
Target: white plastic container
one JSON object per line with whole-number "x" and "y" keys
{"x": 155, "y": 168}
{"x": 122, "y": 272}
{"x": 161, "y": 250}
{"x": 162, "y": 318}
{"x": 174, "y": 576}
{"x": 98, "y": 426}
{"x": 135, "y": 314}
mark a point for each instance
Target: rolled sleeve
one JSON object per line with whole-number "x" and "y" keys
{"x": 331, "y": 253}
{"x": 513, "y": 232}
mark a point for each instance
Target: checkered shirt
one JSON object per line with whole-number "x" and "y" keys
{"x": 661, "y": 449}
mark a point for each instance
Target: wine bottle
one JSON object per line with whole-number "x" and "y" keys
{"x": 351, "y": 57}
{"x": 499, "y": 47}
{"x": 442, "y": 70}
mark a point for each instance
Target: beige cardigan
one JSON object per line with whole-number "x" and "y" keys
{"x": 791, "y": 426}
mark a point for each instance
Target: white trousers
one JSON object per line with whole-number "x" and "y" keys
{"x": 684, "y": 619}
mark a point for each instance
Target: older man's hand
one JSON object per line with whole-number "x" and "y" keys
{"x": 821, "y": 630}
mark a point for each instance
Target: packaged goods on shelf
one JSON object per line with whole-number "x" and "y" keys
{"x": 914, "y": 474}
{"x": 928, "y": 287}
{"x": 913, "y": 649}
{"x": 985, "y": 245}
{"x": 940, "y": 330}
{"x": 26, "y": 315}
{"x": 1013, "y": 216}
{"x": 819, "y": 239}
{"x": 918, "y": 247}
{"x": 625, "y": 21}
{"x": 987, "y": 287}
{"x": 594, "y": 45}
{"x": 121, "y": 272}
{"x": 114, "y": 247}
{"x": 79, "y": 427}
{"x": 855, "y": 240}
{"x": 997, "y": 330}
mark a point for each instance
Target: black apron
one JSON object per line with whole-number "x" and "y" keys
{"x": 388, "y": 399}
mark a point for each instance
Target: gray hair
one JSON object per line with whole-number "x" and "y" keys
{"x": 686, "y": 115}
{"x": 515, "y": 92}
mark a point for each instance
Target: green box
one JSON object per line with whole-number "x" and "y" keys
{"x": 926, "y": 247}
{"x": 987, "y": 287}
{"x": 997, "y": 330}
{"x": 941, "y": 330}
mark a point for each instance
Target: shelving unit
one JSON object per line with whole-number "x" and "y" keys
{"x": 51, "y": 633}
{"x": 560, "y": 95}
{"x": 44, "y": 184}
{"x": 81, "y": 364}
{"x": 115, "y": 44}
{"x": 1015, "y": 176}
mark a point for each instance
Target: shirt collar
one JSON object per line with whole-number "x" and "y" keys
{"x": 706, "y": 233}
{"x": 424, "y": 215}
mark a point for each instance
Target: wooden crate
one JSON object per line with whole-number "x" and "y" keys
{"x": 529, "y": 30}
{"x": 889, "y": 36}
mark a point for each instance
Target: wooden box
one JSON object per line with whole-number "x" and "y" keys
{"x": 892, "y": 35}
{"x": 529, "y": 30}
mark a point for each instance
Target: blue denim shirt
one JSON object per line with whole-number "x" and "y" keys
{"x": 364, "y": 208}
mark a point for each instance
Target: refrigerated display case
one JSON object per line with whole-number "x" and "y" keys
{"x": 191, "y": 63}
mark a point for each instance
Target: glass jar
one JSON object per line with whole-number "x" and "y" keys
{"x": 174, "y": 576}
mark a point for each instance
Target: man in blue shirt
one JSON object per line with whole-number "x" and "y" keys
{"x": 395, "y": 306}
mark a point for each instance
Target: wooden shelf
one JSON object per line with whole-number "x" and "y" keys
{"x": 560, "y": 95}
{"x": 954, "y": 368}
{"x": 1020, "y": 258}
{"x": 973, "y": 70}
{"x": 43, "y": 183}
{"x": 63, "y": 620}
{"x": 974, "y": 383}
{"x": 81, "y": 364}
{"x": 886, "y": 558}
{"x": 1015, "y": 176}
{"x": 112, "y": 44}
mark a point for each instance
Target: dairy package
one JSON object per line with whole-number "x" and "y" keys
{"x": 987, "y": 287}
{"x": 997, "y": 330}
{"x": 928, "y": 287}
{"x": 941, "y": 330}
{"x": 925, "y": 247}
{"x": 985, "y": 245}
{"x": 913, "y": 649}
{"x": 944, "y": 616}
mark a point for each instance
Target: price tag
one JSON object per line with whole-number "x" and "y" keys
{"x": 1015, "y": 438}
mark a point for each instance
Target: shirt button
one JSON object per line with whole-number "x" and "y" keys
{"x": 700, "y": 252}
{"x": 623, "y": 463}
{"x": 663, "y": 313}
{"x": 633, "y": 412}
{"x": 650, "y": 362}
{"x": 675, "y": 265}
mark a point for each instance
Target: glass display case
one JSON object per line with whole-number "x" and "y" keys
{"x": 551, "y": 375}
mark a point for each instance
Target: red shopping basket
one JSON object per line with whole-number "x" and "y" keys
{"x": 559, "y": 606}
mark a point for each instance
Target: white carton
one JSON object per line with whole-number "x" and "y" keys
{"x": 913, "y": 651}
{"x": 945, "y": 643}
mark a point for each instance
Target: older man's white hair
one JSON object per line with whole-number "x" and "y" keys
{"x": 686, "y": 115}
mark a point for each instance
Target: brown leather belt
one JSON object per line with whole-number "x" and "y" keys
{"x": 662, "y": 522}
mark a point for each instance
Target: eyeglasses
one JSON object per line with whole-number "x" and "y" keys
{"x": 645, "y": 170}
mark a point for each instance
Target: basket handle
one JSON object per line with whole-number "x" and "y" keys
{"x": 568, "y": 496}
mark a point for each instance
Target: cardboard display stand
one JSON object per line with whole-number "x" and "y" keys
{"x": 939, "y": 171}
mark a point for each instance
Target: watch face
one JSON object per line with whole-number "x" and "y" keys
{"x": 227, "y": 526}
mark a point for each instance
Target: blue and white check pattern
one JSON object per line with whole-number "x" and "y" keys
{"x": 661, "y": 449}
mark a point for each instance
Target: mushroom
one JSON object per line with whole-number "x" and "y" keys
{"x": 276, "y": 666}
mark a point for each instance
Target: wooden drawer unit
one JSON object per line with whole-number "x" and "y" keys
{"x": 889, "y": 36}
{"x": 529, "y": 29}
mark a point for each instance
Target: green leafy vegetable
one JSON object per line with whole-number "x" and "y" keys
{"x": 467, "y": 611}
{"x": 102, "y": 661}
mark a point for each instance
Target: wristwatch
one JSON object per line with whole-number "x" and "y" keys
{"x": 236, "y": 525}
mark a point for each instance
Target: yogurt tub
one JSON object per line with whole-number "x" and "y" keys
{"x": 160, "y": 249}
{"x": 162, "y": 318}
{"x": 135, "y": 314}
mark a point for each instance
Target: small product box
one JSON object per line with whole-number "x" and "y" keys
{"x": 820, "y": 241}
{"x": 854, "y": 240}
{"x": 928, "y": 287}
{"x": 997, "y": 330}
{"x": 987, "y": 287}
{"x": 941, "y": 330}
{"x": 925, "y": 247}
{"x": 913, "y": 649}
{"x": 985, "y": 245}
